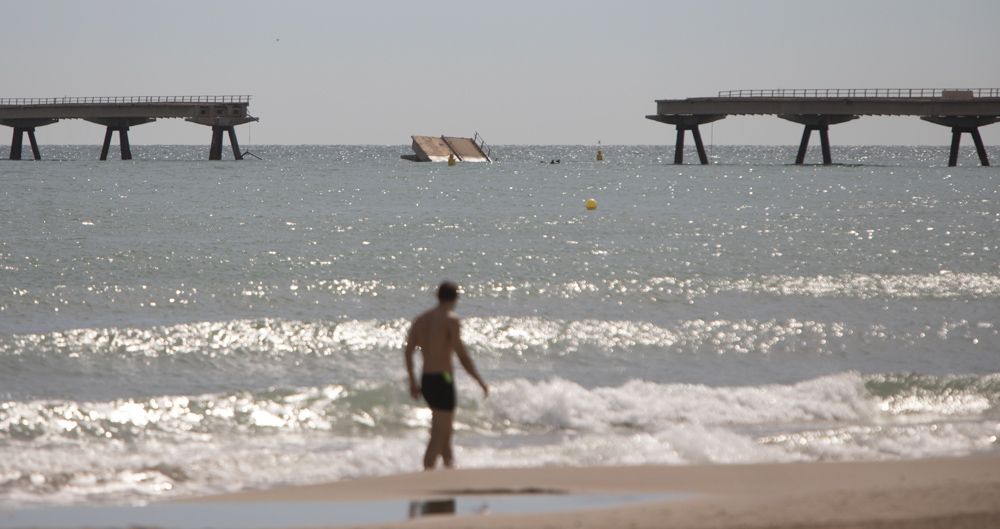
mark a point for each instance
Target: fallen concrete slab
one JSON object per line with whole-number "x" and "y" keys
{"x": 439, "y": 149}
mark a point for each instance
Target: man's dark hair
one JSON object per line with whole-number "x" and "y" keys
{"x": 447, "y": 291}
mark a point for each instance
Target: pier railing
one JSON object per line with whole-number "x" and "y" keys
{"x": 104, "y": 100}
{"x": 481, "y": 143}
{"x": 873, "y": 93}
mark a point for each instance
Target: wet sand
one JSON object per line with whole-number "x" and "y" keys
{"x": 952, "y": 493}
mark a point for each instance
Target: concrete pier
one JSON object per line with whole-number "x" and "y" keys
{"x": 964, "y": 110}
{"x": 119, "y": 114}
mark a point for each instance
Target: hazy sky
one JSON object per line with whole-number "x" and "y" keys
{"x": 578, "y": 71}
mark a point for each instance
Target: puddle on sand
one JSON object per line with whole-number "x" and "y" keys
{"x": 275, "y": 515}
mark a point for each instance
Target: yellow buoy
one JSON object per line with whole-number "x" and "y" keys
{"x": 591, "y": 204}
{"x": 451, "y": 160}
{"x": 600, "y": 155}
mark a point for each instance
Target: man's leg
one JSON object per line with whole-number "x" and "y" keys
{"x": 440, "y": 437}
{"x": 448, "y": 428}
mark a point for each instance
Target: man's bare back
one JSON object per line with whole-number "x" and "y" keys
{"x": 437, "y": 333}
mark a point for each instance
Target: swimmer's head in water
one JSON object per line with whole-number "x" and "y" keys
{"x": 447, "y": 292}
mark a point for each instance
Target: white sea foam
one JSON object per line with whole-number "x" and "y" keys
{"x": 57, "y": 451}
{"x": 648, "y": 406}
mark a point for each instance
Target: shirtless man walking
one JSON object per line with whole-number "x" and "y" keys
{"x": 437, "y": 334}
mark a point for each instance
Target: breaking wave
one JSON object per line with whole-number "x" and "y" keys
{"x": 134, "y": 449}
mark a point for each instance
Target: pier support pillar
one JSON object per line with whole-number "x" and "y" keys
{"x": 956, "y": 142}
{"x": 107, "y": 144}
{"x": 221, "y": 126}
{"x": 237, "y": 155}
{"x": 679, "y": 145}
{"x": 684, "y": 124}
{"x": 803, "y": 145}
{"x": 121, "y": 126}
{"x": 16, "y": 143}
{"x": 215, "y": 150}
{"x": 820, "y": 123}
{"x": 22, "y": 127}
{"x": 126, "y": 148}
{"x": 976, "y": 138}
{"x": 824, "y": 138}
{"x": 702, "y": 156}
{"x": 961, "y": 125}
{"x": 37, "y": 154}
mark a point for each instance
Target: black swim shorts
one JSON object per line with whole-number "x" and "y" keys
{"x": 438, "y": 390}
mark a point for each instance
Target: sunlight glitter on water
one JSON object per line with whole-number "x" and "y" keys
{"x": 178, "y": 326}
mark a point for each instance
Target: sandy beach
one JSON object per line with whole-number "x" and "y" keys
{"x": 933, "y": 493}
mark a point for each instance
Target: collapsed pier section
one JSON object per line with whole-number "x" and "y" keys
{"x": 443, "y": 148}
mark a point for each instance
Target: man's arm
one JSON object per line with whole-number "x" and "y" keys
{"x": 411, "y": 347}
{"x": 463, "y": 355}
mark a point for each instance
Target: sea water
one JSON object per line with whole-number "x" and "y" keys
{"x": 171, "y": 326}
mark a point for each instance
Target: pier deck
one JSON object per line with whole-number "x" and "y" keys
{"x": 964, "y": 110}
{"x": 118, "y": 114}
